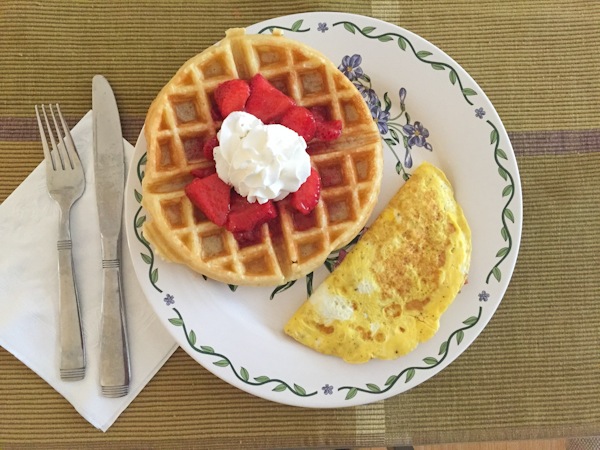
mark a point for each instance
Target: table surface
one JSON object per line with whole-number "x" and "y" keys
{"x": 532, "y": 373}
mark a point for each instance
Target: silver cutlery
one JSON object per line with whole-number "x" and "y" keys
{"x": 109, "y": 169}
{"x": 66, "y": 183}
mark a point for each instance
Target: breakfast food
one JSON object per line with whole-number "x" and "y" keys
{"x": 389, "y": 292}
{"x": 201, "y": 133}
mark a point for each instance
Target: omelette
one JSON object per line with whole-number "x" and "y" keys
{"x": 389, "y": 292}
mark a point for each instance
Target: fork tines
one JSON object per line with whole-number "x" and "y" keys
{"x": 65, "y": 150}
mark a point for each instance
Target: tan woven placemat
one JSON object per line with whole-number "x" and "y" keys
{"x": 533, "y": 372}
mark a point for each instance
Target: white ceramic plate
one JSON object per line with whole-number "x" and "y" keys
{"x": 412, "y": 86}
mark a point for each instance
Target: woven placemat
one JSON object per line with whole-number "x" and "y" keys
{"x": 532, "y": 373}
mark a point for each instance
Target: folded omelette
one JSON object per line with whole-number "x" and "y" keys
{"x": 389, "y": 292}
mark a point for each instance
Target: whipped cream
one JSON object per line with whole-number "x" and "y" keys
{"x": 261, "y": 162}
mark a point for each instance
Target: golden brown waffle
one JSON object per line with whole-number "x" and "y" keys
{"x": 179, "y": 121}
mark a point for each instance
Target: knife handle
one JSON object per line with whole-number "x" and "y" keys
{"x": 72, "y": 354}
{"x": 114, "y": 349}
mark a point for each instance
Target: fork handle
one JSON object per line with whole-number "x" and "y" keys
{"x": 72, "y": 355}
{"x": 114, "y": 348}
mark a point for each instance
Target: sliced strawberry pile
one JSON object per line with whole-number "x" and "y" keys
{"x": 224, "y": 207}
{"x": 263, "y": 100}
{"x": 217, "y": 200}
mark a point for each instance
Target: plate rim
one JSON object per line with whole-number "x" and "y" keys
{"x": 502, "y": 135}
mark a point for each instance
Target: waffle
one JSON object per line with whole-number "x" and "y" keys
{"x": 179, "y": 121}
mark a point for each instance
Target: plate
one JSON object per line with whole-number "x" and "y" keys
{"x": 427, "y": 108}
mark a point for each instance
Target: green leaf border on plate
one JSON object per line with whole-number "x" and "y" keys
{"x": 296, "y": 27}
{"x": 410, "y": 372}
{"x": 506, "y": 213}
{"x": 138, "y": 222}
{"x": 242, "y": 374}
{"x": 404, "y": 43}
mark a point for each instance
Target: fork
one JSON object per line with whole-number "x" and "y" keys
{"x": 66, "y": 183}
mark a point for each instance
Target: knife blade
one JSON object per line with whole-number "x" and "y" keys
{"x": 109, "y": 170}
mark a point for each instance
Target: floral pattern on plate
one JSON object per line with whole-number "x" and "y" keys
{"x": 447, "y": 113}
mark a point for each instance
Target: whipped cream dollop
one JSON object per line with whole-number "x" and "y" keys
{"x": 261, "y": 162}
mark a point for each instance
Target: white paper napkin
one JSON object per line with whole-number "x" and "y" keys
{"x": 29, "y": 290}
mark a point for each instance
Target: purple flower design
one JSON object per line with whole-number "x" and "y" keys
{"x": 402, "y": 95}
{"x": 381, "y": 116}
{"x": 392, "y": 131}
{"x": 368, "y": 94}
{"x": 417, "y": 135}
{"x": 169, "y": 300}
{"x": 484, "y": 296}
{"x": 351, "y": 67}
{"x": 322, "y": 27}
{"x": 327, "y": 389}
{"x": 408, "y": 161}
{"x": 479, "y": 113}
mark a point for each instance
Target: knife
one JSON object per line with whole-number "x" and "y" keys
{"x": 109, "y": 170}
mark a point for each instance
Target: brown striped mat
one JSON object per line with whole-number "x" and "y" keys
{"x": 535, "y": 370}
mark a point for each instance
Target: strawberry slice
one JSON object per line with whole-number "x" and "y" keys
{"x": 231, "y": 96}
{"x": 300, "y": 120}
{"x": 215, "y": 114}
{"x": 329, "y": 130}
{"x": 203, "y": 172}
{"x": 246, "y": 216}
{"x": 320, "y": 113}
{"x": 266, "y": 102}
{"x": 304, "y": 222}
{"x": 211, "y": 196}
{"x": 247, "y": 238}
{"x": 209, "y": 146}
{"x": 275, "y": 229}
{"x": 307, "y": 196}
